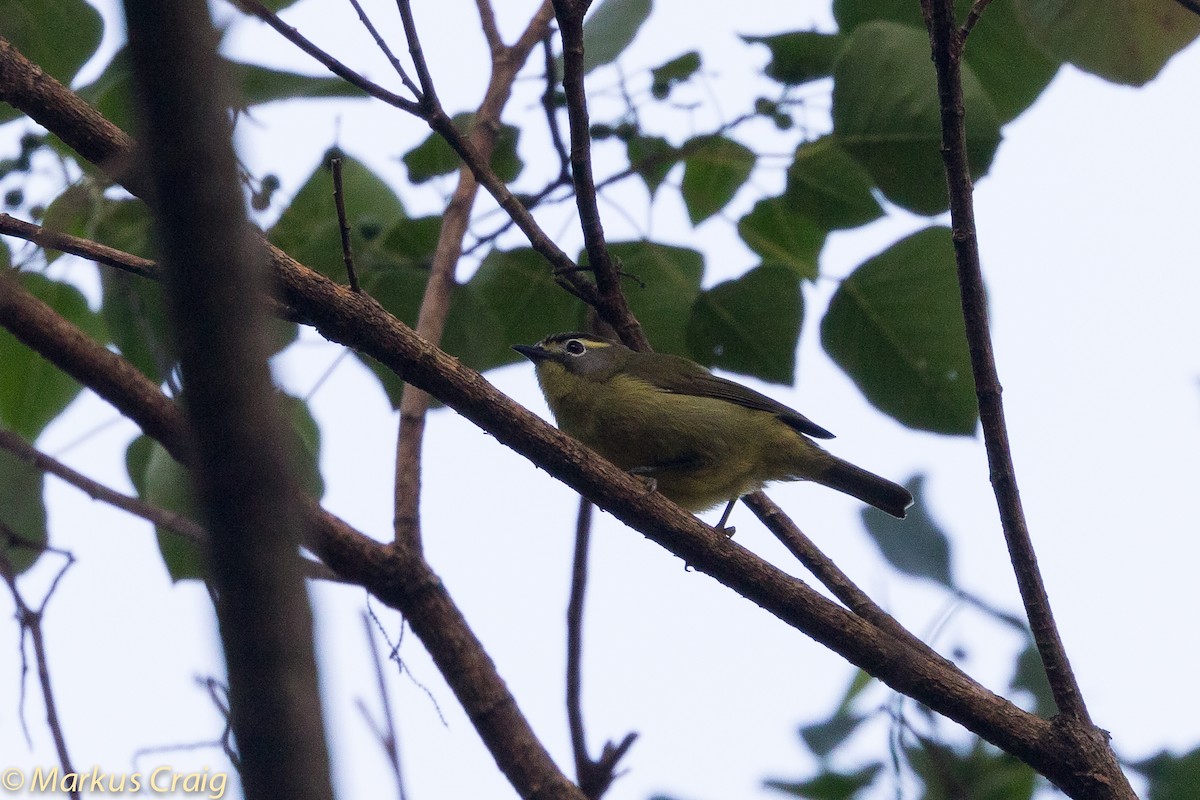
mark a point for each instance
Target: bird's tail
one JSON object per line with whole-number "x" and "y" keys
{"x": 888, "y": 497}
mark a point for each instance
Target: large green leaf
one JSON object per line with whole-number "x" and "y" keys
{"x": 895, "y": 326}
{"x": 915, "y": 545}
{"x": 750, "y": 325}
{"x": 781, "y": 235}
{"x": 22, "y": 512}
{"x": 676, "y": 71}
{"x": 1011, "y": 69}
{"x": 886, "y": 115}
{"x": 112, "y": 92}
{"x": 434, "y": 156}
{"x": 32, "y": 390}
{"x": 1125, "y": 41}
{"x": 800, "y": 56}
{"x": 829, "y": 187}
{"x": 308, "y": 230}
{"x": 664, "y": 282}
{"x": 715, "y": 167}
{"x": 609, "y": 29}
{"x": 57, "y": 35}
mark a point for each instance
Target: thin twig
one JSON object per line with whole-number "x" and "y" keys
{"x": 257, "y": 9}
{"x": 339, "y": 201}
{"x": 389, "y": 740}
{"x": 387, "y": 51}
{"x": 973, "y": 16}
{"x": 30, "y": 621}
{"x": 428, "y": 97}
{"x": 550, "y": 109}
{"x": 611, "y": 304}
{"x": 947, "y": 46}
{"x": 85, "y": 248}
{"x": 594, "y": 777}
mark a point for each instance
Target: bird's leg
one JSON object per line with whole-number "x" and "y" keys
{"x": 720, "y": 526}
{"x": 643, "y": 474}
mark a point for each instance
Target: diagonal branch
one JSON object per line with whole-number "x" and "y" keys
{"x": 611, "y": 303}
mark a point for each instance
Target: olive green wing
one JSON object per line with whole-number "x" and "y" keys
{"x": 681, "y": 376}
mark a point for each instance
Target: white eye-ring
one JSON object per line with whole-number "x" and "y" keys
{"x": 574, "y": 347}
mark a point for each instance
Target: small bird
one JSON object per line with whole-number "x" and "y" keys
{"x": 700, "y": 439}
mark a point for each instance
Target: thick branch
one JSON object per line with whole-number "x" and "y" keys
{"x": 215, "y": 285}
{"x": 402, "y": 579}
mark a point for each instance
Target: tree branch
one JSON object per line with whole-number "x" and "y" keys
{"x": 402, "y": 579}
{"x": 611, "y": 303}
{"x": 215, "y": 284}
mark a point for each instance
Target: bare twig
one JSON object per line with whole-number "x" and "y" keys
{"x": 76, "y": 246}
{"x": 389, "y": 740}
{"x": 550, "y": 109}
{"x": 947, "y": 53}
{"x": 594, "y": 777}
{"x": 339, "y": 202}
{"x": 611, "y": 302}
{"x": 387, "y": 51}
{"x": 246, "y": 491}
{"x": 977, "y": 9}
{"x": 257, "y": 9}
{"x": 439, "y": 286}
{"x": 30, "y": 621}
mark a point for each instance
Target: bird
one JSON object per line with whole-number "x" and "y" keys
{"x": 697, "y": 438}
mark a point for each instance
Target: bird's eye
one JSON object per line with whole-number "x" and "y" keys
{"x": 575, "y": 348}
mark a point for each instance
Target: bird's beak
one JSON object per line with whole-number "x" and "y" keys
{"x": 532, "y": 351}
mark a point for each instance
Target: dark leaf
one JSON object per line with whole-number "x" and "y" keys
{"x": 1124, "y": 41}
{"x": 609, "y": 29}
{"x": 781, "y": 235}
{"x": 32, "y": 390}
{"x": 714, "y": 168}
{"x": 749, "y": 325}
{"x": 830, "y": 785}
{"x": 915, "y": 545}
{"x": 827, "y": 186}
{"x": 651, "y": 157}
{"x": 801, "y": 56}
{"x": 1171, "y": 777}
{"x": 57, "y": 35}
{"x": 886, "y": 115}
{"x": 670, "y": 281}
{"x": 22, "y": 512}
{"x": 895, "y": 326}
{"x": 663, "y": 79}
{"x": 434, "y": 156}
{"x": 1030, "y": 676}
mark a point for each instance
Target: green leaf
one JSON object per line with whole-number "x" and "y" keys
{"x": 1124, "y": 41}
{"x": 777, "y": 232}
{"x": 665, "y": 78}
{"x": 750, "y": 325}
{"x": 915, "y": 545}
{"x": 609, "y": 29}
{"x": 308, "y": 230}
{"x": 1171, "y": 777}
{"x": 1030, "y": 676}
{"x": 823, "y": 738}
{"x": 112, "y": 92}
{"x": 801, "y": 56}
{"x": 32, "y": 390}
{"x": 651, "y": 157}
{"x": 135, "y": 312}
{"x": 57, "y": 35}
{"x": 22, "y": 512}
{"x": 264, "y": 85}
{"x": 714, "y": 168}
{"x": 162, "y": 481}
{"x": 74, "y": 211}
{"x": 830, "y": 785}
{"x": 1010, "y": 67}
{"x": 829, "y": 187}
{"x": 434, "y": 156}
{"x": 895, "y": 326}
{"x": 671, "y": 278}
{"x": 886, "y": 115}
{"x": 523, "y": 305}
{"x": 983, "y": 773}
